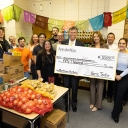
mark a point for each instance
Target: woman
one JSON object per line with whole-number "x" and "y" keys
{"x": 96, "y": 101}
{"x": 121, "y": 79}
{"x": 45, "y": 63}
{"x": 33, "y": 43}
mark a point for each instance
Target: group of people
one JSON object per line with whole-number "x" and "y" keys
{"x": 39, "y": 59}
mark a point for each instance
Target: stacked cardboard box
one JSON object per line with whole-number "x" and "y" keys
{"x": 54, "y": 119}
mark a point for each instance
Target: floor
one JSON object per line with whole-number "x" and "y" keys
{"x": 85, "y": 118}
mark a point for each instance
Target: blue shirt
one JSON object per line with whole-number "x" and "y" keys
{"x": 122, "y": 64}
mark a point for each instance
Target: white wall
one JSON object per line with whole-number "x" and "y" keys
{"x": 64, "y": 10}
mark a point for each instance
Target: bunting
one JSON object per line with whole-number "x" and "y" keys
{"x": 97, "y": 22}
{"x": 68, "y": 24}
{"x": 107, "y": 19}
{"x": 120, "y": 15}
{"x": 1, "y": 18}
{"x": 16, "y": 12}
{"x": 41, "y": 21}
{"x": 55, "y": 23}
{"x": 29, "y": 17}
{"x": 7, "y": 13}
{"x": 82, "y": 25}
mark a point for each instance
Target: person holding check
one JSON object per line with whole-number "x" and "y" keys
{"x": 71, "y": 80}
{"x": 97, "y": 84}
{"x": 120, "y": 85}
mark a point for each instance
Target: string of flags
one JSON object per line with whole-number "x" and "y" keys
{"x": 98, "y": 22}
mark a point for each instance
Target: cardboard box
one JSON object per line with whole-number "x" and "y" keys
{"x": 10, "y": 60}
{"x": 16, "y": 72}
{"x": 4, "y": 78}
{"x": 13, "y": 120}
{"x": 1, "y": 67}
{"x": 54, "y": 119}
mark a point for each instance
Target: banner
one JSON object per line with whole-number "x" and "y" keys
{"x": 97, "y": 22}
{"x": 68, "y": 24}
{"x": 29, "y": 17}
{"x": 7, "y": 13}
{"x": 120, "y": 15}
{"x": 107, "y": 19}
{"x": 82, "y": 25}
{"x": 1, "y": 18}
{"x": 55, "y": 23}
{"x": 41, "y": 21}
{"x": 81, "y": 62}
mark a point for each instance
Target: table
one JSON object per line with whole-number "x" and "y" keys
{"x": 61, "y": 91}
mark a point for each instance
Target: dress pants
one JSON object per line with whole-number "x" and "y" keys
{"x": 33, "y": 70}
{"x": 120, "y": 87}
{"x": 96, "y": 92}
{"x": 110, "y": 89}
{"x": 71, "y": 81}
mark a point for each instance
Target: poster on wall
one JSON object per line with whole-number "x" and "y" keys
{"x": 87, "y": 62}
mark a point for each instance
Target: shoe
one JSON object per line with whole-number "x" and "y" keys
{"x": 91, "y": 106}
{"x": 94, "y": 109}
{"x": 109, "y": 99}
{"x": 74, "y": 108}
{"x": 124, "y": 102}
{"x": 115, "y": 119}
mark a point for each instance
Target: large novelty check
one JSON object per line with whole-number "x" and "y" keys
{"x": 87, "y": 62}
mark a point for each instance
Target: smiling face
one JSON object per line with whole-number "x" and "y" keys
{"x": 47, "y": 46}
{"x": 35, "y": 38}
{"x": 1, "y": 33}
{"x": 96, "y": 38}
{"x": 73, "y": 34}
{"x": 42, "y": 38}
{"x": 122, "y": 45}
{"x": 110, "y": 38}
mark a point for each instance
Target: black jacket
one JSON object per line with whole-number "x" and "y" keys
{"x": 5, "y": 49}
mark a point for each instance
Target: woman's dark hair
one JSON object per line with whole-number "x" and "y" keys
{"x": 126, "y": 41}
{"x": 31, "y": 41}
{"x": 102, "y": 42}
{"x": 41, "y": 34}
{"x": 44, "y": 52}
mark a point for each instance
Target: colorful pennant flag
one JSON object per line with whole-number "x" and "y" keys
{"x": 1, "y": 18}
{"x": 55, "y": 23}
{"x": 107, "y": 19}
{"x": 41, "y": 21}
{"x": 68, "y": 24}
{"x": 82, "y": 25}
{"x": 29, "y": 17}
{"x": 16, "y": 12}
{"x": 120, "y": 15}
{"x": 127, "y": 12}
{"x": 7, "y": 13}
{"x": 97, "y": 22}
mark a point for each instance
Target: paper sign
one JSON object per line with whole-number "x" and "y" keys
{"x": 87, "y": 62}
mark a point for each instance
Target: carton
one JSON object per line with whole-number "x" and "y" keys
{"x": 1, "y": 67}
{"x": 16, "y": 72}
{"x": 54, "y": 119}
{"x": 4, "y": 78}
{"x": 10, "y": 60}
{"x": 13, "y": 120}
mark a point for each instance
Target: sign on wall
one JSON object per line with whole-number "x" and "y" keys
{"x": 87, "y": 62}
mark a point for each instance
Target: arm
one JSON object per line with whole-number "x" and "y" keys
{"x": 29, "y": 65}
{"x": 39, "y": 65}
{"x": 34, "y": 58}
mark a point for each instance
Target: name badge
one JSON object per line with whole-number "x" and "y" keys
{"x": 124, "y": 56}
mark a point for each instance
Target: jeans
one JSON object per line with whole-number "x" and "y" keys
{"x": 26, "y": 74}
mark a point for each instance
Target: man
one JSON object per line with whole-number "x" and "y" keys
{"x": 70, "y": 79}
{"x": 12, "y": 41}
{"x": 26, "y": 56}
{"x": 54, "y": 39}
{"x": 4, "y": 45}
{"x": 112, "y": 46}
{"x": 42, "y": 38}
{"x": 60, "y": 37}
